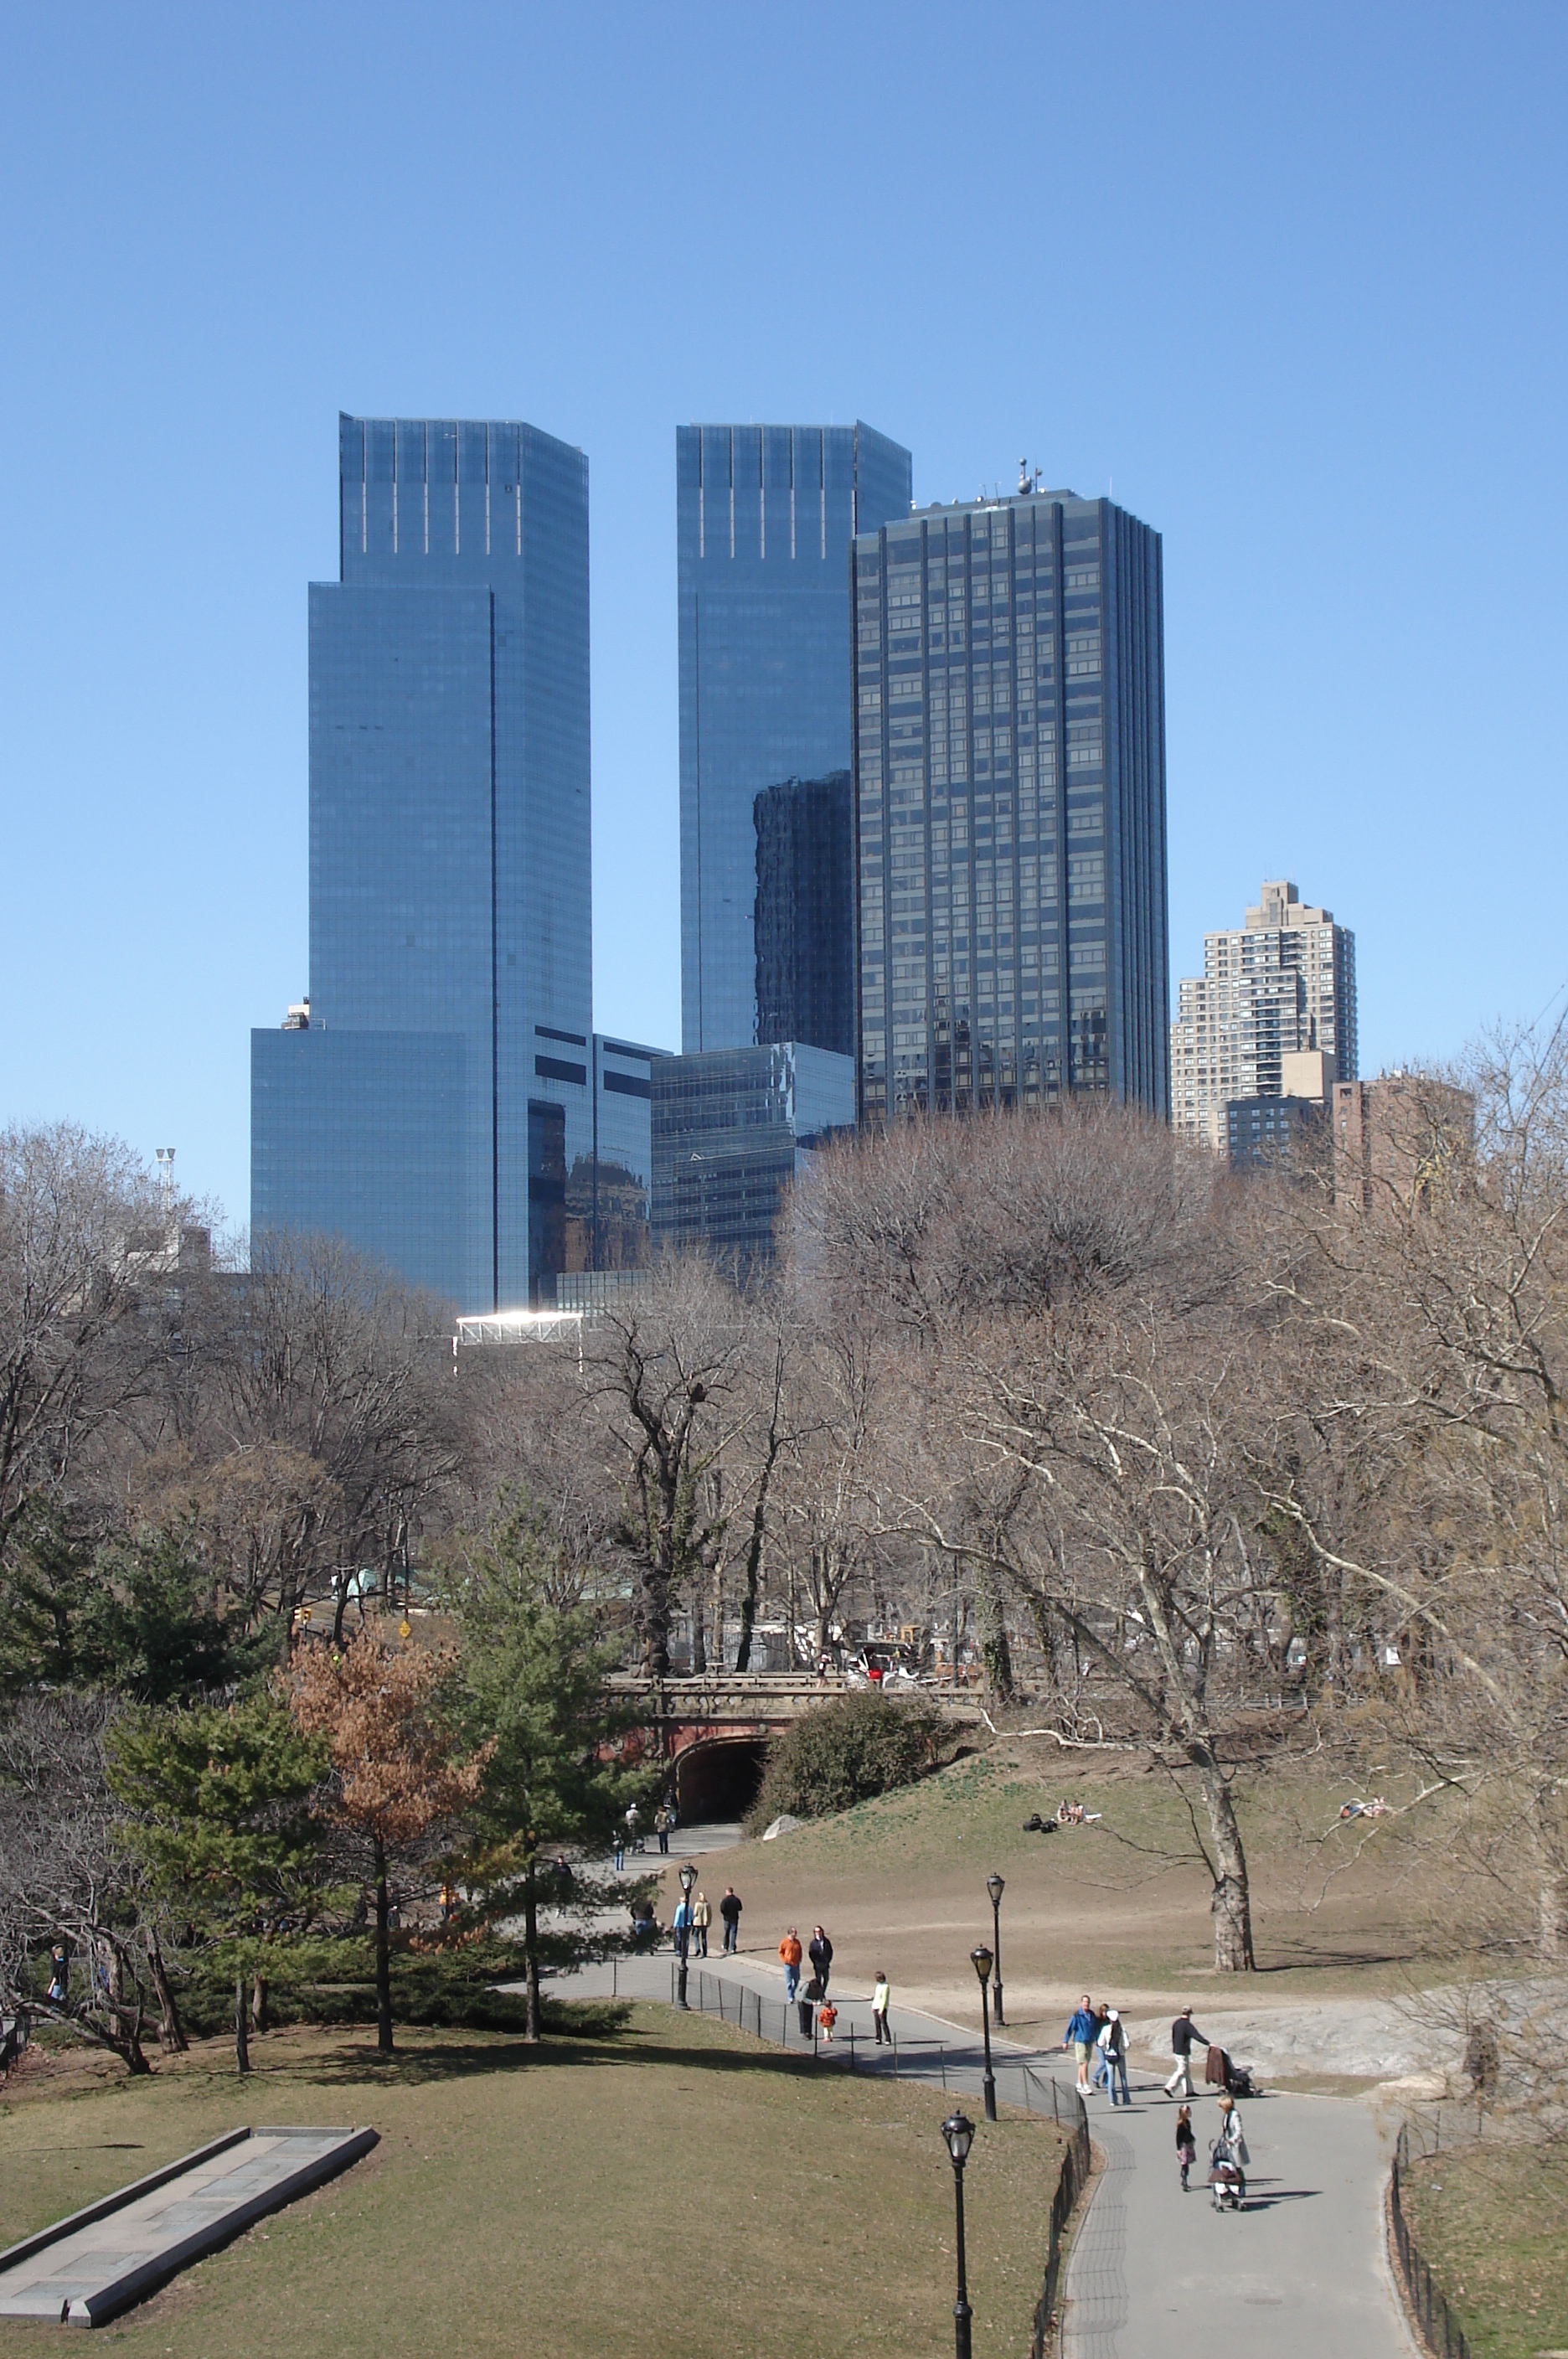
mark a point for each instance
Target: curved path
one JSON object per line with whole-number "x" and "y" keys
{"x": 1154, "y": 2274}
{"x": 1303, "y": 2269}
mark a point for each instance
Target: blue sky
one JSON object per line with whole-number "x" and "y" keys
{"x": 1291, "y": 281}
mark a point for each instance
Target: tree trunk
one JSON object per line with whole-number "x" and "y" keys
{"x": 699, "y": 1644}
{"x": 995, "y": 1651}
{"x": 382, "y": 1959}
{"x": 242, "y": 2041}
{"x": 170, "y": 2030}
{"x": 755, "y": 1543}
{"x": 1551, "y": 1916}
{"x": 259, "y": 1993}
{"x": 530, "y": 1949}
{"x": 1232, "y": 1902}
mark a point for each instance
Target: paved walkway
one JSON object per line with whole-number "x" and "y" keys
{"x": 1155, "y": 2273}
{"x": 98, "y": 2262}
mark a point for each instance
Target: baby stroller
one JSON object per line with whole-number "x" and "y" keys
{"x": 1236, "y": 2080}
{"x": 1227, "y": 2181}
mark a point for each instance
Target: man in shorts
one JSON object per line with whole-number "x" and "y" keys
{"x": 1081, "y": 2033}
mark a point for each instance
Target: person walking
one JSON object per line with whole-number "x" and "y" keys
{"x": 1080, "y": 2036}
{"x": 880, "y": 1998}
{"x": 1186, "y": 2144}
{"x": 790, "y": 1951}
{"x": 701, "y": 1917}
{"x": 681, "y": 1921}
{"x": 1183, "y": 2031}
{"x": 661, "y": 1827}
{"x": 1230, "y": 2156}
{"x": 620, "y": 1846}
{"x": 1100, "y": 2076}
{"x": 729, "y": 1910}
{"x": 1113, "y": 2048}
{"x": 821, "y": 1955}
{"x": 827, "y": 2015}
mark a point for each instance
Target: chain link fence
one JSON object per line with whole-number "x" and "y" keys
{"x": 1441, "y": 2329}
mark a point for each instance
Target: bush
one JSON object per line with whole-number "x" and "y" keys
{"x": 845, "y": 1752}
{"x": 333, "y": 1983}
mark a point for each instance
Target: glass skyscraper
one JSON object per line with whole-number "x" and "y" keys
{"x": 1009, "y": 775}
{"x": 805, "y": 913}
{"x": 431, "y": 1106}
{"x": 765, "y": 517}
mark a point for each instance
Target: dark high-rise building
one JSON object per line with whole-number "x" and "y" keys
{"x": 1009, "y": 773}
{"x": 431, "y": 1107}
{"x": 805, "y": 913}
{"x": 764, "y": 515}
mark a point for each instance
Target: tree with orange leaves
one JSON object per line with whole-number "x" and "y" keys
{"x": 395, "y": 1782}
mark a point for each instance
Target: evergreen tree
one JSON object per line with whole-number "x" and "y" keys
{"x": 561, "y": 1771}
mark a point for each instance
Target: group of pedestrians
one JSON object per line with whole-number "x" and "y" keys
{"x": 1097, "y": 2036}
{"x": 695, "y": 1917}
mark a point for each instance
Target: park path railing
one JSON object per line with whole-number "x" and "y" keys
{"x": 1439, "y": 2327}
{"x": 1072, "y": 2180}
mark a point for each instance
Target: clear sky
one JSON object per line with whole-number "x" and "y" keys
{"x": 1290, "y": 281}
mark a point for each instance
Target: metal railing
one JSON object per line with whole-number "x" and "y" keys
{"x": 1440, "y": 2329}
{"x": 1072, "y": 2180}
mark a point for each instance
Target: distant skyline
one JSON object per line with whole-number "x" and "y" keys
{"x": 1290, "y": 286}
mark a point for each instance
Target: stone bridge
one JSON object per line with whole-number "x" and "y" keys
{"x": 713, "y": 1726}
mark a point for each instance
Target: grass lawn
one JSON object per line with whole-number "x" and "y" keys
{"x": 673, "y": 2186}
{"x": 1492, "y": 2225}
{"x": 1122, "y": 1906}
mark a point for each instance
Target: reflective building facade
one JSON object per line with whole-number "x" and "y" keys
{"x": 428, "y": 1112}
{"x": 764, "y": 515}
{"x": 805, "y": 913}
{"x": 730, "y": 1128}
{"x": 1009, "y": 775}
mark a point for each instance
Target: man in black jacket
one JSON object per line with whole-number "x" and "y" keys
{"x": 820, "y": 1951}
{"x": 729, "y": 1909}
{"x": 1183, "y": 2031}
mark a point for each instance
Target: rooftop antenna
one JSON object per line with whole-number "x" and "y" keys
{"x": 166, "y": 1179}
{"x": 1023, "y": 475}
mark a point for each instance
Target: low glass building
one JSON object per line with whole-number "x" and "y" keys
{"x": 731, "y": 1130}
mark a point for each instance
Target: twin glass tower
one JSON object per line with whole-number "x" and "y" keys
{"x": 961, "y": 709}
{"x": 414, "y": 1109}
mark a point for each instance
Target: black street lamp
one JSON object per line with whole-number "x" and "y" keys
{"x": 959, "y": 2132}
{"x": 688, "y": 1875}
{"x": 996, "y": 1886}
{"x": 980, "y": 1960}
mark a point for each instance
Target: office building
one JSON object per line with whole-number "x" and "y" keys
{"x": 732, "y": 1128}
{"x": 608, "y": 1187}
{"x": 765, "y": 515}
{"x": 805, "y": 913}
{"x": 430, "y": 1101}
{"x": 1275, "y": 1134}
{"x": 1009, "y": 778}
{"x": 1282, "y": 985}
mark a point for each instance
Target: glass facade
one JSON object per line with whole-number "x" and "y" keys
{"x": 729, "y": 1130}
{"x": 608, "y": 1187}
{"x": 805, "y": 913}
{"x": 765, "y": 517}
{"x": 449, "y": 861}
{"x": 1009, "y": 793}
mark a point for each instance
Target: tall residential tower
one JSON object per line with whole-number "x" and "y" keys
{"x": 1275, "y": 994}
{"x": 764, "y": 515}
{"x": 427, "y": 1105}
{"x": 1009, "y": 778}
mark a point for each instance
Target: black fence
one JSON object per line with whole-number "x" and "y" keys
{"x": 1441, "y": 2329}
{"x": 1070, "y": 2182}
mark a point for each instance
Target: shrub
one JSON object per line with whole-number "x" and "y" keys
{"x": 845, "y": 1752}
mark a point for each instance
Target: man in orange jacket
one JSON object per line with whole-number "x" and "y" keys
{"x": 790, "y": 1949}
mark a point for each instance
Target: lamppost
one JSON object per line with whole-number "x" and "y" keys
{"x": 980, "y": 1960}
{"x": 996, "y": 1886}
{"x": 959, "y": 2132}
{"x": 688, "y": 1878}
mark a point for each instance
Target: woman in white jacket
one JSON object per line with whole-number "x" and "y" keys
{"x": 1230, "y": 2148}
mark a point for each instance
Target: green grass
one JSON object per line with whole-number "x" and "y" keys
{"x": 1492, "y": 2225}
{"x": 578, "y": 2199}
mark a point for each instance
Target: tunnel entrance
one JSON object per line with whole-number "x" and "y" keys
{"x": 718, "y": 1778}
